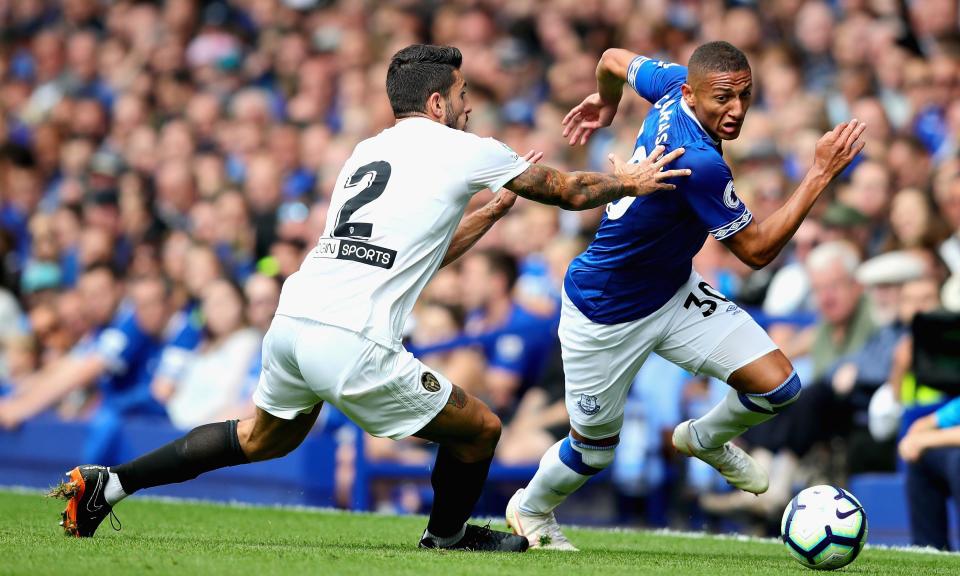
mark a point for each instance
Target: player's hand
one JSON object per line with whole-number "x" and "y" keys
{"x": 912, "y": 447}
{"x": 586, "y": 117}
{"x": 838, "y": 147}
{"x": 648, "y": 175}
{"x": 505, "y": 199}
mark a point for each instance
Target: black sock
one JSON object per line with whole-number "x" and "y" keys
{"x": 456, "y": 488}
{"x": 203, "y": 449}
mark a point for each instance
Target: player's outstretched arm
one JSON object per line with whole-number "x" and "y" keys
{"x": 598, "y": 109}
{"x": 475, "y": 225}
{"x": 760, "y": 242}
{"x": 584, "y": 190}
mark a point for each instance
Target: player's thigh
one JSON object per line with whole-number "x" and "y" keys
{"x": 599, "y": 363}
{"x": 266, "y": 436}
{"x": 387, "y": 392}
{"x": 710, "y": 335}
{"x": 282, "y": 390}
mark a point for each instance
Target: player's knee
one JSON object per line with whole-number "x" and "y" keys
{"x": 779, "y": 398}
{"x": 490, "y": 431}
{"x": 585, "y": 457}
{"x": 260, "y": 447}
{"x": 483, "y": 443}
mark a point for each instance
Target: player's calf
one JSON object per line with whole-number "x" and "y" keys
{"x": 467, "y": 432}
{"x": 708, "y": 438}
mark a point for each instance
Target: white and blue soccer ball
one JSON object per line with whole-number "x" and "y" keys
{"x": 824, "y": 527}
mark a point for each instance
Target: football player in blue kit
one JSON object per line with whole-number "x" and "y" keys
{"x": 634, "y": 290}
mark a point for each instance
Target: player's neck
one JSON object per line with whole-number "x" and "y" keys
{"x": 413, "y": 115}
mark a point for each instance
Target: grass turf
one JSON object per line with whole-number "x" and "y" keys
{"x": 161, "y": 537}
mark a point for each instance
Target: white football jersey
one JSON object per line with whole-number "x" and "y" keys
{"x": 392, "y": 215}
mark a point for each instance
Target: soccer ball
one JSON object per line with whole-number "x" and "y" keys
{"x": 824, "y": 527}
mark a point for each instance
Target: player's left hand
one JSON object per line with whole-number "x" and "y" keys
{"x": 586, "y": 117}
{"x": 505, "y": 199}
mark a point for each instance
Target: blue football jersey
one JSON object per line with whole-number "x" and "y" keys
{"x": 644, "y": 248}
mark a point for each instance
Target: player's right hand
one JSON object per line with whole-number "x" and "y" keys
{"x": 838, "y": 147}
{"x": 586, "y": 117}
{"x": 648, "y": 176}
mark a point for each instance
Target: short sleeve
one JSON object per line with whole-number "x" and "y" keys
{"x": 949, "y": 415}
{"x": 710, "y": 192}
{"x": 491, "y": 164}
{"x": 119, "y": 344}
{"x": 508, "y": 353}
{"x": 652, "y": 79}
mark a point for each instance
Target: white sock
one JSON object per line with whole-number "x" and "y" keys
{"x": 551, "y": 485}
{"x": 449, "y": 540}
{"x": 113, "y": 492}
{"x": 737, "y": 413}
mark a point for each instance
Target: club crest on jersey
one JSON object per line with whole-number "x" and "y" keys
{"x": 730, "y": 196}
{"x": 588, "y": 404}
{"x": 430, "y": 382}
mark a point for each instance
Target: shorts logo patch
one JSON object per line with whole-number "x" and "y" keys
{"x": 588, "y": 404}
{"x": 430, "y": 382}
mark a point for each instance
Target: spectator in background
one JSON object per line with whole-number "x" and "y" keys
{"x": 119, "y": 363}
{"x": 214, "y": 377}
{"x": 869, "y": 193}
{"x": 845, "y": 319}
{"x": 914, "y": 222}
{"x": 931, "y": 449}
{"x": 515, "y": 342}
{"x": 262, "y": 294}
{"x": 789, "y": 289}
{"x": 947, "y": 190}
{"x": 20, "y": 360}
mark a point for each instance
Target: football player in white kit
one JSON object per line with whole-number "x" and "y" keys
{"x": 393, "y": 221}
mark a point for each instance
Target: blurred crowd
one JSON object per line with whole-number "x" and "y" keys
{"x": 165, "y": 165}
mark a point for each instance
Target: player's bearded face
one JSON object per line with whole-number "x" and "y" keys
{"x": 720, "y": 100}
{"x": 457, "y": 110}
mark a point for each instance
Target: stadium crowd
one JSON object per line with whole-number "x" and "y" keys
{"x": 165, "y": 165}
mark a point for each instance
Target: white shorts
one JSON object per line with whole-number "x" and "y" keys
{"x": 698, "y": 330}
{"x": 386, "y": 392}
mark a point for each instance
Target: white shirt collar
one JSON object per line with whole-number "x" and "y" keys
{"x": 686, "y": 110}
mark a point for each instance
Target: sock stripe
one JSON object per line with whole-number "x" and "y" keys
{"x": 784, "y": 393}
{"x": 751, "y": 405}
{"x": 573, "y": 459}
{"x": 777, "y": 399}
{"x": 584, "y": 446}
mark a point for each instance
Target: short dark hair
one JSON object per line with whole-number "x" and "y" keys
{"x": 418, "y": 71}
{"x": 502, "y": 263}
{"x": 716, "y": 57}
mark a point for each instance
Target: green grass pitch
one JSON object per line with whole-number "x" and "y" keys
{"x": 161, "y": 537}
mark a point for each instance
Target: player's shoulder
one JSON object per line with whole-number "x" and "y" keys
{"x": 702, "y": 157}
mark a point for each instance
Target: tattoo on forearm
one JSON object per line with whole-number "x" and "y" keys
{"x": 576, "y": 190}
{"x": 458, "y": 398}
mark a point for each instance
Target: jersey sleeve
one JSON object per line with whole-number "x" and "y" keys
{"x": 491, "y": 164}
{"x": 710, "y": 192}
{"x": 652, "y": 79}
{"x": 508, "y": 354}
{"x": 949, "y": 415}
{"x": 119, "y": 344}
